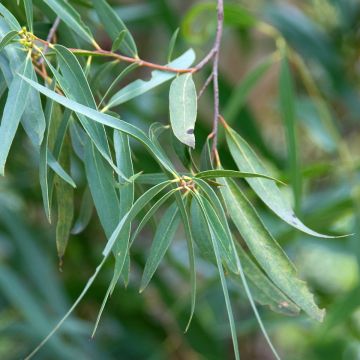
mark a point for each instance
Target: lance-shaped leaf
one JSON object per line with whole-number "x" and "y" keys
{"x": 28, "y": 4}
{"x": 247, "y": 160}
{"x": 287, "y": 109}
{"x": 43, "y": 159}
{"x": 72, "y": 19}
{"x": 183, "y": 108}
{"x": 165, "y": 233}
{"x": 205, "y": 206}
{"x": 263, "y": 290}
{"x": 114, "y": 26}
{"x": 139, "y": 87}
{"x": 13, "y": 110}
{"x": 266, "y": 250}
{"x": 102, "y": 187}
{"x": 65, "y": 203}
{"x": 106, "y": 120}
{"x": 5, "y": 40}
{"x": 86, "y": 210}
{"x": 126, "y": 192}
{"x": 74, "y": 84}
{"x": 211, "y": 174}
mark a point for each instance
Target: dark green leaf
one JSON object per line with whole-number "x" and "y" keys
{"x": 266, "y": 250}
{"x": 165, "y": 233}
{"x": 246, "y": 160}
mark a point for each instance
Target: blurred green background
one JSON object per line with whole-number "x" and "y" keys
{"x": 324, "y": 38}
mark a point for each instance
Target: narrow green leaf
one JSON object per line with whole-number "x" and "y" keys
{"x": 184, "y": 207}
{"x": 86, "y": 210}
{"x": 59, "y": 170}
{"x": 72, "y": 19}
{"x": 172, "y": 44}
{"x": 139, "y": 87}
{"x": 247, "y": 161}
{"x": 150, "y": 213}
{"x": 126, "y": 192}
{"x": 117, "y": 42}
{"x": 7, "y": 39}
{"x": 122, "y": 247}
{"x": 183, "y": 108}
{"x": 106, "y": 120}
{"x": 43, "y": 159}
{"x": 221, "y": 228}
{"x": 102, "y": 187}
{"x": 13, "y": 110}
{"x": 165, "y": 233}
{"x": 28, "y": 4}
{"x": 205, "y": 158}
{"x": 266, "y": 250}
{"x": 287, "y": 109}
{"x": 211, "y": 174}
{"x": 65, "y": 204}
{"x": 263, "y": 290}
{"x": 114, "y": 26}
{"x": 214, "y": 241}
{"x": 75, "y": 86}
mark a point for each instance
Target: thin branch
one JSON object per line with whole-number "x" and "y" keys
{"x": 50, "y": 37}
{"x": 206, "y": 84}
{"x": 217, "y": 44}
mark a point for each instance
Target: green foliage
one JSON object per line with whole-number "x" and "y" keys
{"x": 180, "y": 207}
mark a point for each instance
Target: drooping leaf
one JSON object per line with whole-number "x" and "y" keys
{"x": 184, "y": 209}
{"x": 114, "y": 26}
{"x": 221, "y": 230}
{"x": 72, "y": 19}
{"x": 287, "y": 109}
{"x": 266, "y": 250}
{"x": 86, "y": 210}
{"x": 165, "y": 232}
{"x": 263, "y": 290}
{"x": 5, "y": 40}
{"x": 183, "y": 108}
{"x": 247, "y": 160}
{"x": 13, "y": 110}
{"x": 74, "y": 84}
{"x": 102, "y": 188}
{"x": 106, "y": 120}
{"x": 59, "y": 170}
{"x": 139, "y": 87}
{"x": 43, "y": 159}
{"x": 126, "y": 192}
{"x": 214, "y": 242}
{"x": 65, "y": 204}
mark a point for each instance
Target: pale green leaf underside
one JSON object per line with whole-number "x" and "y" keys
{"x": 183, "y": 108}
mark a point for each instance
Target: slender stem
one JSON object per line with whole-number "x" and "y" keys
{"x": 206, "y": 84}
{"x": 50, "y": 37}
{"x": 217, "y": 44}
